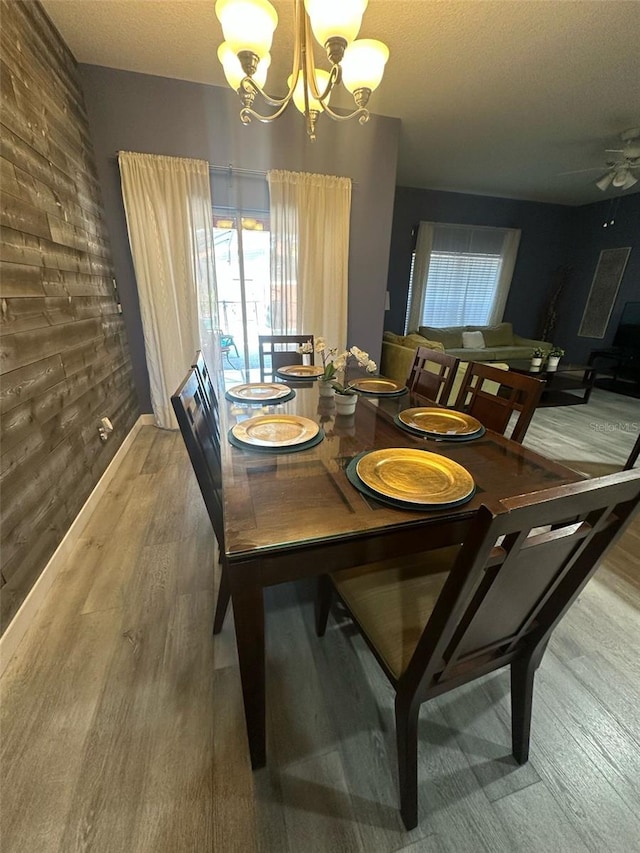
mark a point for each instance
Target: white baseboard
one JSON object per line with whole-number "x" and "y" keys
{"x": 20, "y": 623}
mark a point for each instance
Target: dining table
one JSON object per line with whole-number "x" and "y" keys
{"x": 293, "y": 515}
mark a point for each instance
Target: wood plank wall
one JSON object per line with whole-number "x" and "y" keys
{"x": 64, "y": 359}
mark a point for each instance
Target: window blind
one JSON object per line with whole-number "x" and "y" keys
{"x": 460, "y": 275}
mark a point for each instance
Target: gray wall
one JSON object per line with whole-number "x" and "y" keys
{"x": 64, "y": 361}
{"x": 138, "y": 112}
{"x": 544, "y": 245}
{"x": 589, "y": 239}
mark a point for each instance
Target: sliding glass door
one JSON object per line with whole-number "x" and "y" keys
{"x": 241, "y": 241}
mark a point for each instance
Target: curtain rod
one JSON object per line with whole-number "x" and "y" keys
{"x": 229, "y": 168}
{"x": 254, "y": 173}
{"x": 234, "y": 169}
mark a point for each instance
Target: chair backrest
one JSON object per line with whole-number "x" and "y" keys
{"x": 633, "y": 456}
{"x": 202, "y": 439}
{"x": 511, "y": 583}
{"x": 517, "y": 393}
{"x": 432, "y": 374}
{"x": 210, "y": 398}
{"x": 277, "y": 351}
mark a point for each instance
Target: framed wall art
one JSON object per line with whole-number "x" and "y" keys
{"x": 604, "y": 289}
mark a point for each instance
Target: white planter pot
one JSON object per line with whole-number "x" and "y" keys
{"x": 552, "y": 363}
{"x": 536, "y": 363}
{"x": 346, "y": 403}
{"x": 326, "y": 389}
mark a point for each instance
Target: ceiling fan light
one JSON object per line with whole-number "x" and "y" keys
{"x": 248, "y": 25}
{"x": 322, "y": 80}
{"x": 620, "y": 178}
{"x": 335, "y": 18}
{"x": 233, "y": 69}
{"x": 630, "y": 182}
{"x": 363, "y": 64}
{"x": 604, "y": 182}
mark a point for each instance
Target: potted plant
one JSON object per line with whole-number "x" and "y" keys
{"x": 333, "y": 364}
{"x": 536, "y": 358}
{"x": 554, "y": 356}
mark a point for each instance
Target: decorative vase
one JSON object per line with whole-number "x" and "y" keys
{"x": 552, "y": 363}
{"x": 325, "y": 389}
{"x": 536, "y": 363}
{"x": 346, "y": 403}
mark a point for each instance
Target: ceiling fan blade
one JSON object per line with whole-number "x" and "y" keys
{"x": 604, "y": 182}
{"x": 614, "y": 150}
{"x": 581, "y": 171}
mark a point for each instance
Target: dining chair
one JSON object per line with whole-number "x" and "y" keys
{"x": 210, "y": 398}
{"x": 516, "y": 393}
{"x": 633, "y": 456}
{"x": 438, "y": 620}
{"x": 277, "y": 351}
{"x": 200, "y": 431}
{"x": 432, "y": 374}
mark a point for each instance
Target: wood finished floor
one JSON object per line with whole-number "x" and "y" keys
{"x": 122, "y": 725}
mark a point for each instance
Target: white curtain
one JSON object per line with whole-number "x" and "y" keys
{"x": 461, "y": 274}
{"x": 309, "y": 220}
{"x": 167, "y": 202}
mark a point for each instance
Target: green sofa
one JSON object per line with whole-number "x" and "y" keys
{"x": 398, "y": 354}
{"x": 500, "y": 342}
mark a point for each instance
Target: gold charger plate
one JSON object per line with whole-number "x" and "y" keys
{"x": 440, "y": 421}
{"x": 415, "y": 476}
{"x": 275, "y": 430}
{"x": 306, "y": 371}
{"x": 379, "y": 385}
{"x": 259, "y": 391}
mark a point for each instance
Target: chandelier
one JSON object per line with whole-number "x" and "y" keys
{"x": 248, "y": 27}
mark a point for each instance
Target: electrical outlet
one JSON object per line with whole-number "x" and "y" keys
{"x": 105, "y": 428}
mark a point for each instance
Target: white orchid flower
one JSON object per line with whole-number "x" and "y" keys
{"x": 305, "y": 348}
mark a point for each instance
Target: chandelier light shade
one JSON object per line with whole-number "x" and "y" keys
{"x": 233, "y": 69}
{"x": 335, "y": 19}
{"x": 310, "y": 103}
{"x": 363, "y": 65}
{"x": 248, "y": 27}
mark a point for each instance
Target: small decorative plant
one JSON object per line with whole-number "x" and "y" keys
{"x": 333, "y": 363}
{"x": 537, "y": 353}
{"x": 555, "y": 352}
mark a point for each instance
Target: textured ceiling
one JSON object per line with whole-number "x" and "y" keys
{"x": 496, "y": 97}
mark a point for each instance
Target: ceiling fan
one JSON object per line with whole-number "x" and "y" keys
{"x": 620, "y": 170}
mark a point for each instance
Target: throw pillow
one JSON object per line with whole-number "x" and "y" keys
{"x": 391, "y": 337}
{"x": 416, "y": 340}
{"x": 472, "y": 340}
{"x": 449, "y": 336}
{"x": 498, "y": 336}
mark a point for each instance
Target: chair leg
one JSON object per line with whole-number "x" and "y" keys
{"x": 324, "y": 596}
{"x": 222, "y": 604}
{"x": 522, "y": 678}
{"x": 407, "y": 744}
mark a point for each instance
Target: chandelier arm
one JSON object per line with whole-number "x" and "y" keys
{"x": 309, "y": 65}
{"x": 306, "y": 64}
{"x": 248, "y": 84}
{"x": 363, "y": 112}
{"x": 247, "y": 113}
{"x": 334, "y": 79}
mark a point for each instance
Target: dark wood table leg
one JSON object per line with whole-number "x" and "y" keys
{"x": 248, "y": 615}
{"x": 588, "y": 381}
